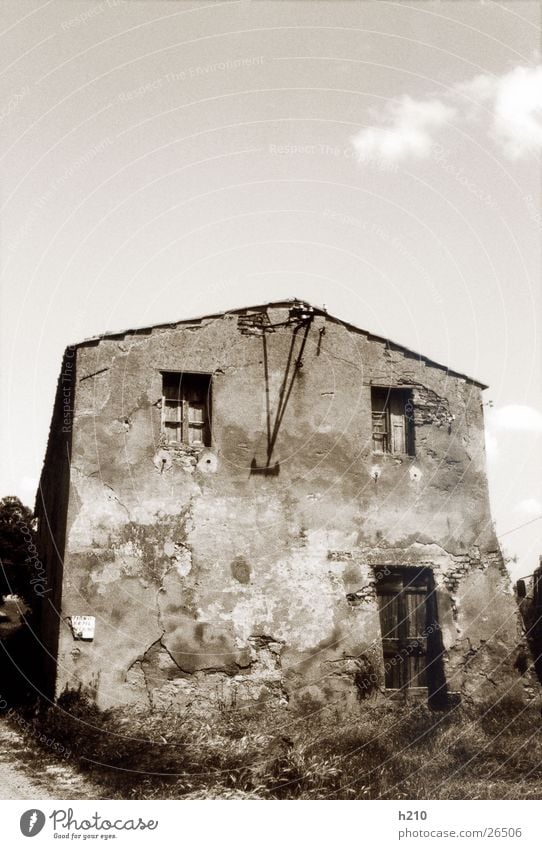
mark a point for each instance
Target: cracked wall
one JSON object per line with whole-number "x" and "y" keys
{"x": 224, "y": 577}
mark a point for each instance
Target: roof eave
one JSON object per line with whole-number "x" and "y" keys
{"x": 318, "y": 310}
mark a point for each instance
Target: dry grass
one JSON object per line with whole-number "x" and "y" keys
{"x": 493, "y": 753}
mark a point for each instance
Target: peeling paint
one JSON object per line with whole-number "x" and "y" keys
{"x": 245, "y": 571}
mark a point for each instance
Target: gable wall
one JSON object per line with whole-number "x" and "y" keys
{"x": 214, "y": 584}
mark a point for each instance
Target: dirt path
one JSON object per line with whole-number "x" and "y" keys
{"x": 26, "y": 771}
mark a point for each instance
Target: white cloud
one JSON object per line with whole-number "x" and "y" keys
{"x": 480, "y": 88}
{"x": 492, "y": 446}
{"x": 529, "y": 507}
{"x": 510, "y": 104}
{"x": 515, "y": 102}
{"x": 518, "y": 111}
{"x": 409, "y": 129}
{"x": 514, "y": 417}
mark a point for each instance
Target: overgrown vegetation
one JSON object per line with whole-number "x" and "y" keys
{"x": 20, "y": 581}
{"x": 17, "y": 538}
{"x": 495, "y": 753}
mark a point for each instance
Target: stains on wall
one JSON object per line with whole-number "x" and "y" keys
{"x": 240, "y": 570}
{"x": 216, "y": 586}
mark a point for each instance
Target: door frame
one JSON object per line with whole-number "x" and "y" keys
{"x": 434, "y": 689}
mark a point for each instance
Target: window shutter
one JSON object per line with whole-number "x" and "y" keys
{"x": 397, "y": 420}
{"x": 380, "y": 431}
{"x": 196, "y": 423}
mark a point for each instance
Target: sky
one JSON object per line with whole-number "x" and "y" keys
{"x": 161, "y": 160}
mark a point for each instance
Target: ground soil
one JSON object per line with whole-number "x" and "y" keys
{"x": 27, "y": 773}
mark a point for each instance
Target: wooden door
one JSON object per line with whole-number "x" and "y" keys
{"x": 402, "y": 602}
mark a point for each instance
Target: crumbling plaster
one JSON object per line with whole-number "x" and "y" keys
{"x": 212, "y": 585}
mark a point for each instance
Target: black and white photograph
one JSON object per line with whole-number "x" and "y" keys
{"x": 271, "y": 490}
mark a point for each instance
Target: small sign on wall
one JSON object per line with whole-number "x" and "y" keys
{"x": 83, "y": 627}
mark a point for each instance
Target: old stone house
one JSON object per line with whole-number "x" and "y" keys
{"x": 269, "y": 506}
{"x": 529, "y": 593}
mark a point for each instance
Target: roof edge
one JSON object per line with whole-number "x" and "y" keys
{"x": 284, "y": 302}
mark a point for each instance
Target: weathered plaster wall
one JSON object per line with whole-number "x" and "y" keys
{"x": 216, "y": 585}
{"x": 51, "y": 508}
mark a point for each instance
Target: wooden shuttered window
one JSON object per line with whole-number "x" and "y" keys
{"x": 172, "y": 418}
{"x": 186, "y": 408}
{"x": 380, "y": 431}
{"x": 393, "y": 429}
{"x": 408, "y": 621}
